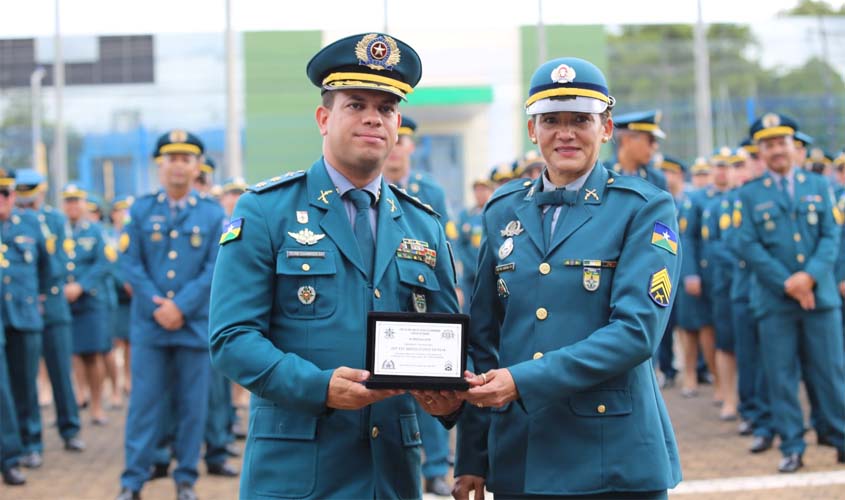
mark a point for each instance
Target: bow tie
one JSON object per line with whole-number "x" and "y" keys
{"x": 556, "y": 197}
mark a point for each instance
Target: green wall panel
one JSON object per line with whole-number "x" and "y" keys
{"x": 281, "y": 134}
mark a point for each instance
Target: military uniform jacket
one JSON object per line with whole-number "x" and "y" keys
{"x": 576, "y": 326}
{"x": 742, "y": 276}
{"x": 648, "y": 173}
{"x": 53, "y": 224}
{"x": 839, "y": 195}
{"x": 289, "y": 304}
{"x": 715, "y": 228}
{"x": 28, "y": 271}
{"x": 87, "y": 265}
{"x": 469, "y": 241}
{"x": 171, "y": 257}
{"x": 779, "y": 238}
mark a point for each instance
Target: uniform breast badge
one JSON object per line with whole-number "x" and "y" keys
{"x": 591, "y": 278}
{"x": 506, "y": 248}
{"x": 306, "y": 237}
{"x": 514, "y": 228}
{"x": 302, "y": 216}
{"x": 502, "y": 288}
{"x": 660, "y": 288}
{"x": 307, "y": 295}
{"x": 420, "y": 305}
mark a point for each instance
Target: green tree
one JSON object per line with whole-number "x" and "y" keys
{"x": 814, "y": 8}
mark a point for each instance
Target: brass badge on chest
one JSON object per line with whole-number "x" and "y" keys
{"x": 812, "y": 218}
{"x": 196, "y": 240}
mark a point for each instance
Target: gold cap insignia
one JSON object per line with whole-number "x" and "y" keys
{"x": 377, "y": 52}
{"x": 771, "y": 120}
{"x": 178, "y": 135}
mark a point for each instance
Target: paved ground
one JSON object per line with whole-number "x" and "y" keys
{"x": 715, "y": 462}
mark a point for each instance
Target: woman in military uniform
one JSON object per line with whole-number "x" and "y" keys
{"x": 573, "y": 291}
{"x": 85, "y": 291}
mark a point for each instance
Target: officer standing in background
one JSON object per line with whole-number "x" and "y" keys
{"x": 87, "y": 292}
{"x": 330, "y": 244}
{"x": 11, "y": 448}
{"x": 27, "y": 275}
{"x": 205, "y": 179}
{"x": 637, "y": 136}
{"x": 57, "y": 338}
{"x": 469, "y": 239}
{"x": 790, "y": 235}
{"x": 170, "y": 245}
{"x": 715, "y": 222}
{"x": 803, "y": 143}
{"x": 221, "y": 415}
{"x": 123, "y": 291}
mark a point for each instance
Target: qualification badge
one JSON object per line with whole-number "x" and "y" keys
{"x": 506, "y": 248}
{"x": 660, "y": 288}
{"x": 302, "y": 216}
{"x": 419, "y": 302}
{"x": 502, "y": 288}
{"x": 591, "y": 278}
{"x": 306, "y": 294}
{"x": 514, "y": 228}
{"x": 306, "y": 237}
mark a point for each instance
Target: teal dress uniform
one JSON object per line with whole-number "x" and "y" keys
{"x": 170, "y": 248}
{"x": 428, "y": 191}
{"x": 11, "y": 448}
{"x": 120, "y": 310}
{"x": 753, "y": 391}
{"x": 467, "y": 247}
{"x": 693, "y": 313}
{"x": 646, "y": 172}
{"x": 57, "y": 338}
{"x": 28, "y": 275}
{"x": 291, "y": 239}
{"x": 88, "y": 265}
{"x": 784, "y": 230}
{"x": 609, "y": 274}
{"x": 716, "y": 221}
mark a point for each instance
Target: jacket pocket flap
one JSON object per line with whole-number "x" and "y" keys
{"x": 275, "y": 423}
{"x": 296, "y": 262}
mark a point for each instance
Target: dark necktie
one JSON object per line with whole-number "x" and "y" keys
{"x": 784, "y": 187}
{"x": 363, "y": 233}
{"x": 558, "y": 198}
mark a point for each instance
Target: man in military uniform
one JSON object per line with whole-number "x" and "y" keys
{"x": 56, "y": 338}
{"x": 530, "y": 165}
{"x": 789, "y": 235}
{"x": 803, "y": 142}
{"x": 700, "y": 174}
{"x": 328, "y": 245}
{"x": 205, "y": 179}
{"x": 469, "y": 239}
{"x": 752, "y": 390}
{"x": 637, "y": 136}
{"x": 11, "y": 448}
{"x": 28, "y": 274}
{"x": 169, "y": 250}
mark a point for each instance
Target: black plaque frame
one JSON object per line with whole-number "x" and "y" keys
{"x": 416, "y": 381}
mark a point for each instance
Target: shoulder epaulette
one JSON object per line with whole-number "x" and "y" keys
{"x": 632, "y": 183}
{"x": 401, "y": 192}
{"x": 514, "y": 186}
{"x": 275, "y": 182}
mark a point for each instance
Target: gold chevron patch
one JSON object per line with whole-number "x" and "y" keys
{"x": 660, "y": 288}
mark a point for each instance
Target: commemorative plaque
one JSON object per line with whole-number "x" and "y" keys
{"x": 417, "y": 351}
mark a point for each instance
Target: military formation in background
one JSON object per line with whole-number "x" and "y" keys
{"x": 114, "y": 299}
